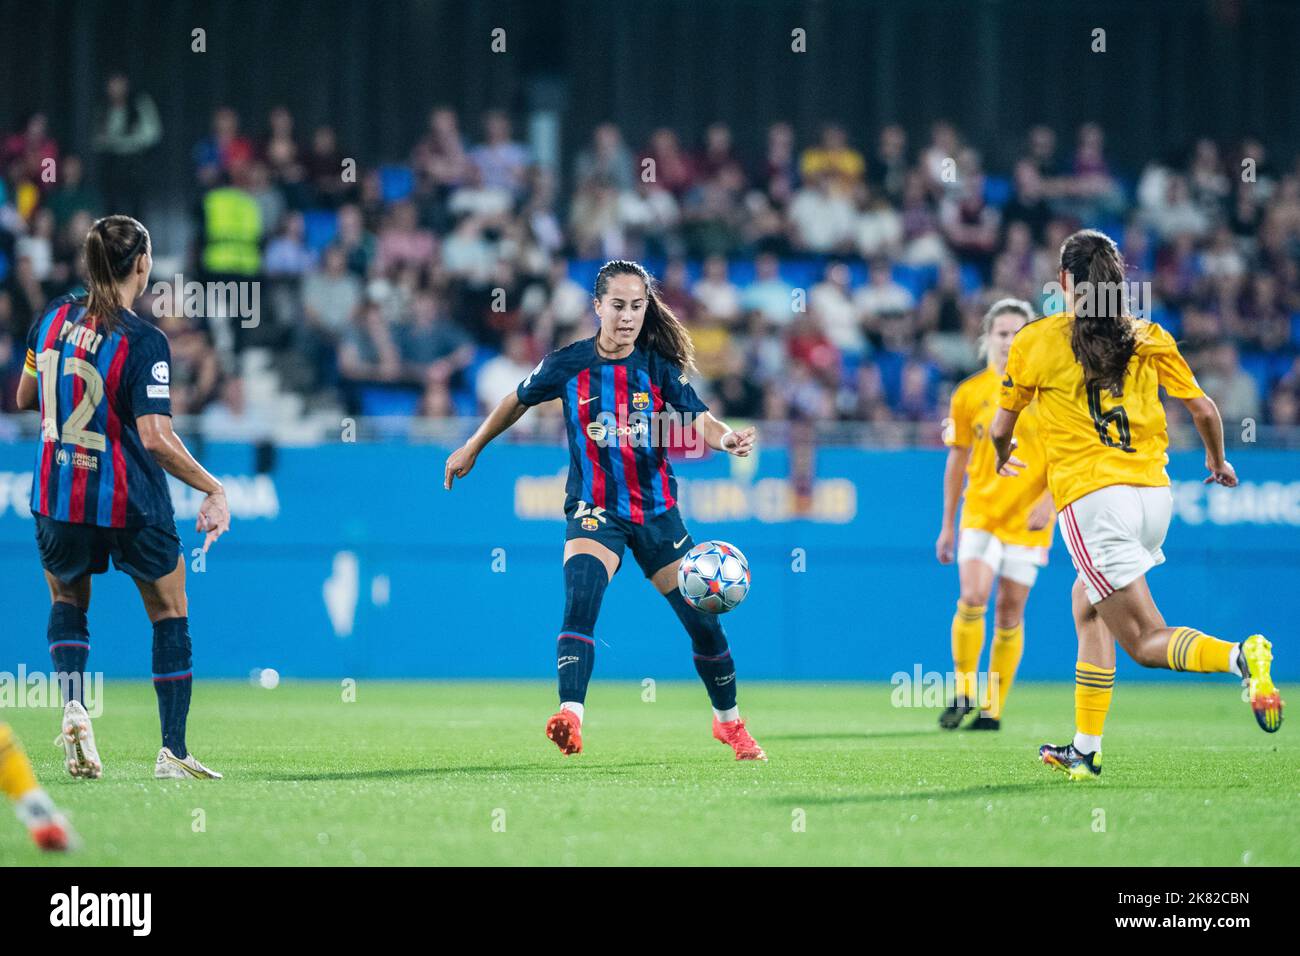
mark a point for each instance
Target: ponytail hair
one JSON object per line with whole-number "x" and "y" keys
{"x": 661, "y": 331}
{"x": 113, "y": 245}
{"x": 1104, "y": 339}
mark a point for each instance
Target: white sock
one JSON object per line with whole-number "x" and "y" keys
{"x": 1087, "y": 743}
{"x": 726, "y": 716}
{"x": 1234, "y": 660}
{"x": 574, "y": 706}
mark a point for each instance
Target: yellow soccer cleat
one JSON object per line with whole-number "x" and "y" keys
{"x": 1256, "y": 659}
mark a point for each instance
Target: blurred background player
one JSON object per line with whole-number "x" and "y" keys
{"x": 1097, "y": 372}
{"x": 33, "y": 805}
{"x": 100, "y": 376}
{"x": 1006, "y": 527}
{"x": 615, "y": 387}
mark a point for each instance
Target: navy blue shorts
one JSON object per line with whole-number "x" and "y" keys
{"x": 71, "y": 551}
{"x": 660, "y": 541}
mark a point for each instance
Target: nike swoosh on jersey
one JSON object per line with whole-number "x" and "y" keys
{"x": 584, "y": 401}
{"x": 678, "y": 544}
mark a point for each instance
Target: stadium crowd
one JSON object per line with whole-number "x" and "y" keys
{"x": 841, "y": 278}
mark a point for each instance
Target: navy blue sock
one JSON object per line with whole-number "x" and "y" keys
{"x": 69, "y": 637}
{"x": 172, "y": 680}
{"x": 712, "y": 656}
{"x": 585, "y": 580}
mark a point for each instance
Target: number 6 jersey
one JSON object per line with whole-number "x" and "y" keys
{"x": 91, "y": 467}
{"x": 1094, "y": 439}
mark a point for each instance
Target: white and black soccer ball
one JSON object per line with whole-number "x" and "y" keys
{"x": 714, "y": 577}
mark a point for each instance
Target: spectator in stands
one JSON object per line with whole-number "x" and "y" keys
{"x": 607, "y": 160}
{"x": 439, "y": 159}
{"x": 881, "y": 294}
{"x": 28, "y": 156}
{"x": 831, "y": 300}
{"x": 673, "y": 168}
{"x": 714, "y": 293}
{"x": 324, "y": 164}
{"x": 126, "y": 133}
{"x": 887, "y": 167}
{"x": 402, "y": 241}
{"x": 499, "y": 375}
{"x": 230, "y": 419}
{"x": 769, "y": 294}
{"x": 287, "y": 254}
{"x": 834, "y": 161}
{"x": 431, "y": 346}
{"x": 1235, "y": 391}
{"x": 822, "y": 217}
{"x": 367, "y": 353}
{"x": 225, "y": 147}
{"x": 778, "y": 174}
{"x": 71, "y": 194}
{"x": 501, "y": 162}
{"x": 331, "y": 295}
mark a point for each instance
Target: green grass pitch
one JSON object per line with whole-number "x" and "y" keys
{"x": 460, "y": 773}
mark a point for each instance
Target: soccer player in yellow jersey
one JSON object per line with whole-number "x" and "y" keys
{"x": 33, "y": 805}
{"x": 1096, "y": 374}
{"x": 1006, "y": 527}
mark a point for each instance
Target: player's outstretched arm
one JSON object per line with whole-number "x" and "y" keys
{"x": 720, "y": 437}
{"x": 508, "y": 411}
{"x": 1205, "y": 415}
{"x": 170, "y": 452}
{"x": 954, "y": 475}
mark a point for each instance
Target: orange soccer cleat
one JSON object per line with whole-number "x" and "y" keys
{"x": 565, "y": 729}
{"x": 734, "y": 735}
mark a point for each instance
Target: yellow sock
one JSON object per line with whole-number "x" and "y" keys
{"x": 967, "y": 643}
{"x": 1093, "y": 687}
{"x": 1190, "y": 650}
{"x": 16, "y": 777}
{"x": 1008, "y": 645}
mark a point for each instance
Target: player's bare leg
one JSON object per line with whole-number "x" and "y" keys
{"x": 1132, "y": 616}
{"x": 714, "y": 665}
{"x": 167, "y": 607}
{"x": 588, "y": 568}
{"x": 76, "y": 736}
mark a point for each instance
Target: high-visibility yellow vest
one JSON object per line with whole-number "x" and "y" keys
{"x": 232, "y": 230}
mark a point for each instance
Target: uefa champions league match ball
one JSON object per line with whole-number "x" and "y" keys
{"x": 714, "y": 577}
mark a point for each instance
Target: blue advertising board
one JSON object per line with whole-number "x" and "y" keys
{"x": 350, "y": 560}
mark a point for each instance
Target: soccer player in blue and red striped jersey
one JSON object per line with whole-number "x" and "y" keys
{"x": 99, "y": 374}
{"x": 619, "y": 389}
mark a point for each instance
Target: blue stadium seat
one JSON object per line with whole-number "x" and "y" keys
{"x": 1257, "y": 365}
{"x": 997, "y": 190}
{"x": 381, "y": 400}
{"x": 320, "y": 226}
{"x": 1295, "y": 329}
{"x": 1168, "y": 319}
{"x": 395, "y": 182}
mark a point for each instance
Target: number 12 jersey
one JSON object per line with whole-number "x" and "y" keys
{"x": 91, "y": 467}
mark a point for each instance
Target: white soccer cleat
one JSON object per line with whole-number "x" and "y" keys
{"x": 78, "y": 741}
{"x": 171, "y": 767}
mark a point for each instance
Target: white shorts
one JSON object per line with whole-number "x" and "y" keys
{"x": 1015, "y": 562}
{"x": 1115, "y": 535}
